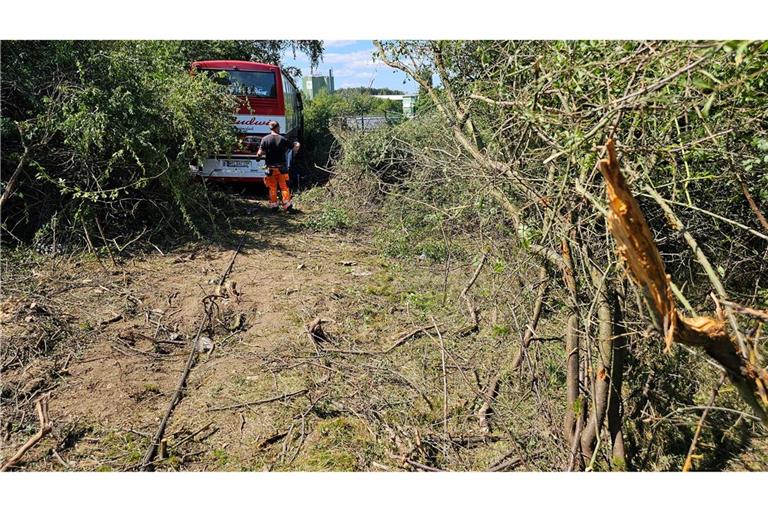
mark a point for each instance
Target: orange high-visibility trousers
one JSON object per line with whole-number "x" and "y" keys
{"x": 274, "y": 180}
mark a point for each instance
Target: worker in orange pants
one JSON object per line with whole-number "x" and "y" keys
{"x": 274, "y": 148}
{"x": 277, "y": 178}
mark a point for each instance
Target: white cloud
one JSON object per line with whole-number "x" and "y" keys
{"x": 358, "y": 67}
{"x": 345, "y": 64}
{"x": 338, "y": 43}
{"x": 357, "y": 60}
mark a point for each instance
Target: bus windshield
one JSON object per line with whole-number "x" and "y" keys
{"x": 259, "y": 84}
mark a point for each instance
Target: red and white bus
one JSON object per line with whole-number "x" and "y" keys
{"x": 265, "y": 93}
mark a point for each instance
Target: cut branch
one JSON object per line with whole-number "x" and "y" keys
{"x": 45, "y": 428}
{"x": 263, "y": 401}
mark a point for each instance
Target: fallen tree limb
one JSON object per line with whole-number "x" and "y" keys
{"x": 152, "y": 450}
{"x": 404, "y": 338}
{"x": 507, "y": 462}
{"x": 423, "y": 467}
{"x": 262, "y": 401}
{"x": 752, "y": 204}
{"x": 146, "y": 463}
{"x": 760, "y": 314}
{"x": 637, "y": 248}
{"x": 45, "y": 428}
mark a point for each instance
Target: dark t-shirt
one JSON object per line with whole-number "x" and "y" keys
{"x": 275, "y": 147}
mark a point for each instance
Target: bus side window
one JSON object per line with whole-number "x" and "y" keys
{"x": 291, "y": 112}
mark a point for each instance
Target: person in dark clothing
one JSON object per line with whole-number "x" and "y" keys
{"x": 274, "y": 148}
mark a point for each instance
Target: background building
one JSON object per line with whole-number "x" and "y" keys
{"x": 313, "y": 85}
{"x": 408, "y": 100}
{"x": 409, "y": 105}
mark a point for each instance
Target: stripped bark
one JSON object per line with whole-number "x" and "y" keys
{"x": 638, "y": 250}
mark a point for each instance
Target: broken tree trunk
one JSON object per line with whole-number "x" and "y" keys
{"x": 638, "y": 250}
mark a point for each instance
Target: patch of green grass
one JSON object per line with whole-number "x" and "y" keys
{"x": 125, "y": 447}
{"x": 380, "y": 290}
{"x": 371, "y": 315}
{"x": 413, "y": 244}
{"x": 330, "y": 218}
{"x": 313, "y": 196}
{"x": 423, "y": 301}
{"x": 500, "y": 331}
{"x": 382, "y": 284}
{"x": 337, "y": 444}
{"x": 239, "y": 381}
{"x": 221, "y": 457}
{"x": 216, "y": 389}
{"x": 151, "y": 388}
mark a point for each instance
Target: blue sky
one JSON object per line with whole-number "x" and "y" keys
{"x": 353, "y": 66}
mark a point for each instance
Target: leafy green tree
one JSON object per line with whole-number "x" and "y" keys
{"x": 367, "y": 90}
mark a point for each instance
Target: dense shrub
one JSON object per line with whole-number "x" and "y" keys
{"x": 325, "y": 110}
{"x": 502, "y": 162}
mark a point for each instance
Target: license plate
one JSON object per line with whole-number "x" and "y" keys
{"x": 237, "y": 163}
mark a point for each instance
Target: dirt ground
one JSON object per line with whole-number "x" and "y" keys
{"x": 393, "y": 380}
{"x": 263, "y": 394}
